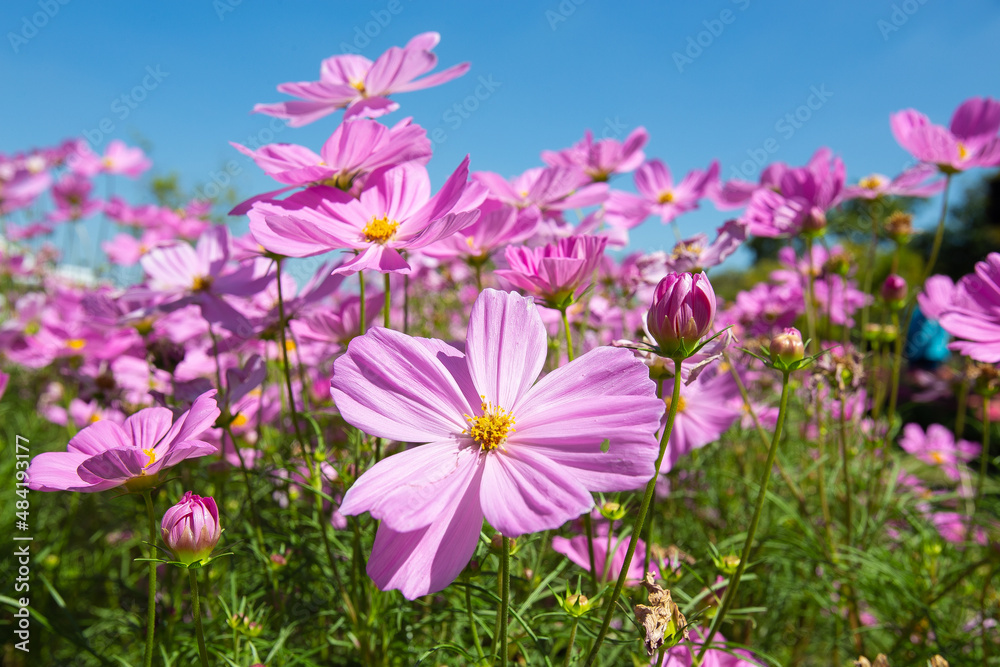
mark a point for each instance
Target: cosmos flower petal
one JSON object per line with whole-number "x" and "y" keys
{"x": 524, "y": 492}
{"x": 56, "y": 471}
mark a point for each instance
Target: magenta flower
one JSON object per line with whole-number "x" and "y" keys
{"x": 659, "y": 195}
{"x": 970, "y": 141}
{"x": 200, "y": 275}
{"x": 695, "y": 254}
{"x": 191, "y": 529}
{"x": 556, "y": 273}
{"x": 917, "y": 181}
{"x": 354, "y": 149}
{"x": 602, "y": 158}
{"x": 937, "y": 296}
{"x": 119, "y": 158}
{"x": 545, "y": 191}
{"x": 394, "y": 212}
{"x": 682, "y": 313}
{"x": 682, "y": 655}
{"x": 575, "y": 548}
{"x": 704, "y": 414}
{"x": 498, "y": 225}
{"x": 71, "y": 194}
{"x": 800, "y": 201}
{"x": 974, "y": 313}
{"x": 937, "y": 447}
{"x": 105, "y": 455}
{"x": 524, "y": 455}
{"x": 361, "y": 86}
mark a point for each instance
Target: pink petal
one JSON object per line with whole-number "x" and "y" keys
{"x": 56, "y": 471}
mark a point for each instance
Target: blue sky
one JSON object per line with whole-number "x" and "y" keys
{"x": 708, "y": 80}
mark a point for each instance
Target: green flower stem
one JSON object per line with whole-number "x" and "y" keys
{"x": 727, "y": 601}
{"x": 361, "y": 313}
{"x": 151, "y": 605}
{"x": 984, "y": 458}
{"x": 647, "y": 499}
{"x": 810, "y": 303}
{"x": 504, "y": 595}
{"x": 284, "y": 358}
{"x": 472, "y": 622}
{"x": 572, "y": 640}
{"x": 588, "y": 527}
{"x": 869, "y": 275}
{"x": 196, "y": 604}
{"x": 569, "y": 336}
{"x": 938, "y": 235}
{"x": 387, "y": 305}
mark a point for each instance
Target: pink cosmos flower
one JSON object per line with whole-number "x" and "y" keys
{"x": 524, "y": 455}
{"x": 914, "y": 182}
{"x": 556, "y": 273}
{"x": 119, "y": 158}
{"x": 659, "y": 195}
{"x": 20, "y": 187}
{"x": 938, "y": 448}
{"x": 354, "y": 149}
{"x": 545, "y": 191}
{"x": 696, "y": 254}
{"x": 801, "y": 201}
{"x": 200, "y": 275}
{"x": 938, "y": 294}
{"x": 704, "y": 414}
{"x": 682, "y": 655}
{"x": 974, "y": 313}
{"x": 71, "y": 194}
{"x": 361, "y": 86}
{"x": 970, "y": 141}
{"x": 602, "y": 158}
{"x": 394, "y": 212}
{"x": 575, "y": 548}
{"x": 191, "y": 529}
{"x": 105, "y": 455}
{"x": 498, "y": 225}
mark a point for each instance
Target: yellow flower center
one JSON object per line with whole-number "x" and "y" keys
{"x": 666, "y": 197}
{"x": 870, "y": 183}
{"x": 201, "y": 283}
{"x": 681, "y": 403}
{"x": 289, "y": 344}
{"x": 491, "y": 428}
{"x": 76, "y": 343}
{"x": 359, "y": 86}
{"x": 963, "y": 152}
{"x": 152, "y": 457}
{"x": 938, "y": 459}
{"x": 240, "y": 420}
{"x": 94, "y": 418}
{"x": 380, "y": 230}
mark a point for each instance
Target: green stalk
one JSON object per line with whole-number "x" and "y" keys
{"x": 572, "y": 640}
{"x": 151, "y": 605}
{"x": 504, "y": 595}
{"x": 939, "y": 234}
{"x": 984, "y": 458}
{"x": 647, "y": 499}
{"x": 569, "y": 336}
{"x": 387, "y": 305}
{"x": 361, "y": 314}
{"x": 284, "y": 358}
{"x": 727, "y": 601}
{"x": 196, "y": 603}
{"x": 472, "y": 622}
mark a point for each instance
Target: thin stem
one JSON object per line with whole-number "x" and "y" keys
{"x": 939, "y": 234}
{"x": 569, "y": 336}
{"x": 151, "y": 605}
{"x": 572, "y": 640}
{"x": 727, "y": 601}
{"x": 869, "y": 275}
{"x": 504, "y": 595}
{"x": 984, "y": 458}
{"x": 810, "y": 302}
{"x": 472, "y": 622}
{"x": 196, "y": 603}
{"x": 284, "y": 358}
{"x": 588, "y": 527}
{"x": 609, "y": 607}
{"x": 387, "y": 305}
{"x": 361, "y": 290}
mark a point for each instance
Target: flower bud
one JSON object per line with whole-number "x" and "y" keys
{"x": 894, "y": 290}
{"x": 191, "y": 528}
{"x": 786, "y": 348}
{"x": 682, "y": 313}
{"x": 899, "y": 227}
{"x": 815, "y": 222}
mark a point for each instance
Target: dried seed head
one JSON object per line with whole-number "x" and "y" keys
{"x": 661, "y": 618}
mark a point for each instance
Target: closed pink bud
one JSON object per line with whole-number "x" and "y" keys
{"x": 787, "y": 347}
{"x": 682, "y": 313}
{"x": 894, "y": 288}
{"x": 191, "y": 528}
